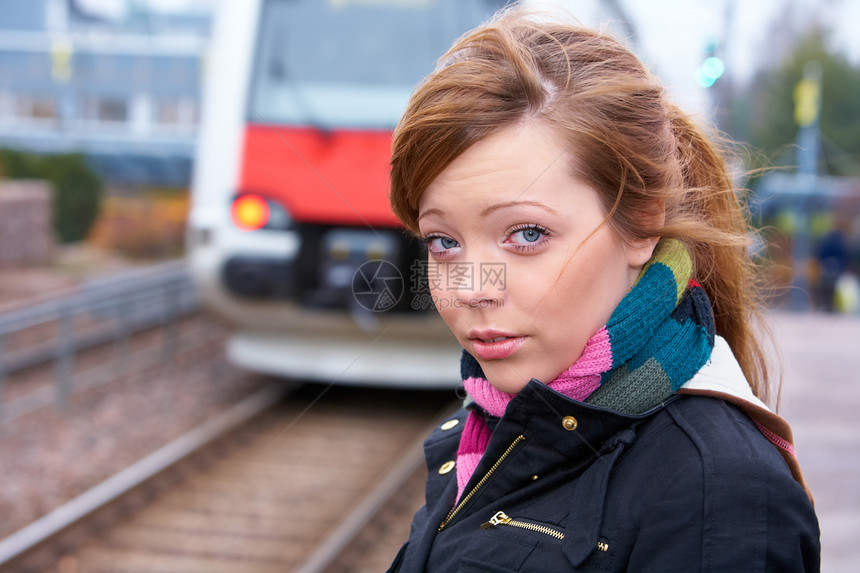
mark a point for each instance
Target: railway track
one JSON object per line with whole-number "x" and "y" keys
{"x": 276, "y": 484}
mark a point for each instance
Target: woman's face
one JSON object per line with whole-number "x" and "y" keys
{"x": 522, "y": 267}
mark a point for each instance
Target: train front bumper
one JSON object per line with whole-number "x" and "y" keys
{"x": 385, "y": 358}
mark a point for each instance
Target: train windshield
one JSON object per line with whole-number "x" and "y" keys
{"x": 351, "y": 63}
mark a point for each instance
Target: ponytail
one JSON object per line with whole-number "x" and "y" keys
{"x": 714, "y": 224}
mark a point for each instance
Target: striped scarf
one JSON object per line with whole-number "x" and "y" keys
{"x": 658, "y": 337}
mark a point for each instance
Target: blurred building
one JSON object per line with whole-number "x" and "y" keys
{"x": 122, "y": 86}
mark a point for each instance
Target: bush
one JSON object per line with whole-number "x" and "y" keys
{"x": 78, "y": 190}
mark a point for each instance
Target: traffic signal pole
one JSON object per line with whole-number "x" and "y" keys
{"x": 807, "y": 111}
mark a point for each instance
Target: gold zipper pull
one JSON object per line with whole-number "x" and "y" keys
{"x": 498, "y": 519}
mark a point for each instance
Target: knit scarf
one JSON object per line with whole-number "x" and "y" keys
{"x": 658, "y": 337}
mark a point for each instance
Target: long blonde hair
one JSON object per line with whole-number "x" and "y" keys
{"x": 656, "y": 172}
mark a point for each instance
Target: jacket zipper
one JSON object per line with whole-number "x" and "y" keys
{"x": 501, "y": 518}
{"x": 480, "y": 484}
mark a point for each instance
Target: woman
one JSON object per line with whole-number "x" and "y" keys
{"x": 614, "y": 420}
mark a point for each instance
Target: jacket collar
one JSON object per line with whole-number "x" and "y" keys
{"x": 573, "y": 428}
{"x": 555, "y": 430}
{"x": 722, "y": 374}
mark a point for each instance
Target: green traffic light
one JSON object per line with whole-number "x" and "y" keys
{"x": 710, "y": 71}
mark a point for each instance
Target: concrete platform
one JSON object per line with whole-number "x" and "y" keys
{"x": 821, "y": 401}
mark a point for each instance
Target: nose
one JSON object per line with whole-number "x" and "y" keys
{"x": 476, "y": 284}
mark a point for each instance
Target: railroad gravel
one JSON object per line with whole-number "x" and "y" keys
{"x": 52, "y": 455}
{"x": 73, "y": 265}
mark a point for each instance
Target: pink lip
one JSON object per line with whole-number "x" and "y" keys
{"x": 494, "y": 350}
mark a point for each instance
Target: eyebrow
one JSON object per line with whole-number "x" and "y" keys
{"x": 431, "y": 212}
{"x": 507, "y": 204}
{"x": 495, "y": 207}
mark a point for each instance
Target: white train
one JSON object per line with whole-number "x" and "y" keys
{"x": 290, "y": 235}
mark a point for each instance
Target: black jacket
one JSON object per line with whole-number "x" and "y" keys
{"x": 691, "y": 485}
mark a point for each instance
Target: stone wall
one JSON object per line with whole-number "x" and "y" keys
{"x": 26, "y": 228}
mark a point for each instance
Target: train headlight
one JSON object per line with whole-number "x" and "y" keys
{"x": 251, "y": 212}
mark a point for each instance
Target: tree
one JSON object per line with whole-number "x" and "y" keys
{"x": 763, "y": 114}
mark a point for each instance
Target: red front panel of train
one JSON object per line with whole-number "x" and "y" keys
{"x": 338, "y": 177}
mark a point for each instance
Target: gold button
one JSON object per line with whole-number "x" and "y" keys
{"x": 450, "y": 424}
{"x": 569, "y": 423}
{"x": 446, "y": 467}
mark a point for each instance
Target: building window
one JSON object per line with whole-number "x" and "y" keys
{"x": 109, "y": 109}
{"x": 112, "y": 110}
{"x": 7, "y": 104}
{"x": 167, "y": 112}
{"x": 36, "y": 107}
{"x": 176, "y": 111}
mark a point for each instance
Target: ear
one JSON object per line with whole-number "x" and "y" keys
{"x": 640, "y": 251}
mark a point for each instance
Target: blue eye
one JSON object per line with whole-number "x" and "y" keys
{"x": 528, "y": 236}
{"x": 447, "y": 242}
{"x": 531, "y": 235}
{"x": 440, "y": 245}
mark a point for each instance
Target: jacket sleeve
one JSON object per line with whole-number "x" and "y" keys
{"x": 726, "y": 501}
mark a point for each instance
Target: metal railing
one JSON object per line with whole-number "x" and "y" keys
{"x": 103, "y": 311}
